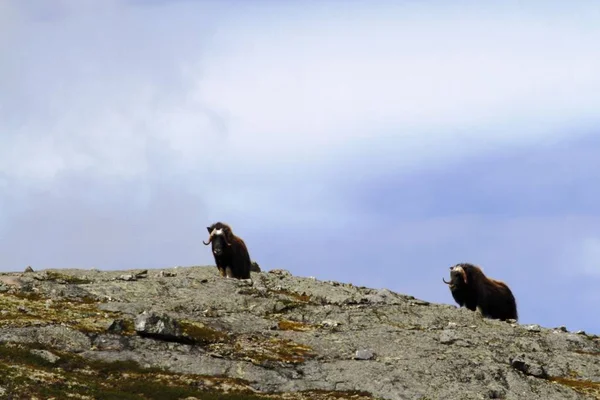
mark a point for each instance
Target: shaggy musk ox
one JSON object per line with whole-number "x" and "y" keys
{"x": 230, "y": 252}
{"x": 472, "y": 289}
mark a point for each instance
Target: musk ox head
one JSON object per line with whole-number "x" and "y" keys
{"x": 219, "y": 237}
{"x": 458, "y": 277}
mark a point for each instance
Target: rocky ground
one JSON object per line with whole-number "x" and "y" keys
{"x": 187, "y": 333}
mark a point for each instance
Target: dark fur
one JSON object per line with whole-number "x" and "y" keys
{"x": 234, "y": 259}
{"x": 493, "y": 297}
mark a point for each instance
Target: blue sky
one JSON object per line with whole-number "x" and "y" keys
{"x": 376, "y": 144}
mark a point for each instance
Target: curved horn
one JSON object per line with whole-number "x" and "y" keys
{"x": 209, "y": 239}
{"x": 447, "y": 283}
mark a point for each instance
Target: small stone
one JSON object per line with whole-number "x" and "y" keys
{"x": 532, "y": 328}
{"x": 127, "y": 277}
{"x": 381, "y": 296}
{"x": 580, "y": 332}
{"x": 157, "y": 325}
{"x": 46, "y": 355}
{"x": 167, "y": 274}
{"x": 29, "y": 269}
{"x": 528, "y": 367}
{"x": 210, "y": 312}
{"x": 280, "y": 272}
{"x": 452, "y": 325}
{"x": 448, "y": 336}
{"x": 562, "y": 328}
{"x": 142, "y": 274}
{"x": 330, "y": 322}
{"x": 496, "y": 391}
{"x": 364, "y": 355}
{"x": 117, "y": 326}
{"x": 279, "y": 307}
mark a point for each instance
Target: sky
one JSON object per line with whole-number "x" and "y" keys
{"x": 376, "y": 143}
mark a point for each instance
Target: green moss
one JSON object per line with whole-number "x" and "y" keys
{"x": 22, "y": 310}
{"x": 274, "y": 350}
{"x": 32, "y": 296}
{"x": 200, "y": 334}
{"x": 29, "y": 374}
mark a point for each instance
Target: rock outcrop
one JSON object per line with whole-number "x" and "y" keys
{"x": 187, "y": 333}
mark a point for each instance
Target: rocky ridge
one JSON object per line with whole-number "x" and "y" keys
{"x": 187, "y": 333}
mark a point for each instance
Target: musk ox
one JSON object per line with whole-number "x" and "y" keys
{"x": 230, "y": 252}
{"x": 472, "y": 289}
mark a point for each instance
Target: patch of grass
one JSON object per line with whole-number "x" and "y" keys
{"x": 345, "y": 395}
{"x": 264, "y": 351}
{"x": 200, "y": 334}
{"x": 588, "y": 353}
{"x": 24, "y": 374}
{"x": 29, "y": 374}
{"x": 31, "y": 296}
{"x": 287, "y": 325}
{"x": 32, "y": 309}
{"x": 580, "y": 386}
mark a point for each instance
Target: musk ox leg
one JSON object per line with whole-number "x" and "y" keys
{"x": 221, "y": 271}
{"x": 229, "y": 272}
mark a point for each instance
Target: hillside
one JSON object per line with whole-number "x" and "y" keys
{"x": 185, "y": 333}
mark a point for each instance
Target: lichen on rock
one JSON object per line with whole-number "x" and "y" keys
{"x": 184, "y": 333}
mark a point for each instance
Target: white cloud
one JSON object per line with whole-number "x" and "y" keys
{"x": 295, "y": 92}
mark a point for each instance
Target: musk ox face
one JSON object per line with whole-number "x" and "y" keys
{"x": 218, "y": 237}
{"x": 458, "y": 277}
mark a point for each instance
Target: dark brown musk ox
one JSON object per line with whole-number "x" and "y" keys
{"x": 472, "y": 289}
{"x": 230, "y": 252}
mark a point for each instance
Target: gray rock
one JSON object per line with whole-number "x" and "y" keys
{"x": 289, "y": 334}
{"x": 254, "y": 267}
{"x": 531, "y": 368}
{"x": 449, "y": 336}
{"x": 160, "y": 326}
{"x": 46, "y": 355}
{"x": 364, "y": 355}
{"x": 532, "y": 328}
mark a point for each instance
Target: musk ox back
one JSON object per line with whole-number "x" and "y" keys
{"x": 472, "y": 289}
{"x": 230, "y": 252}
